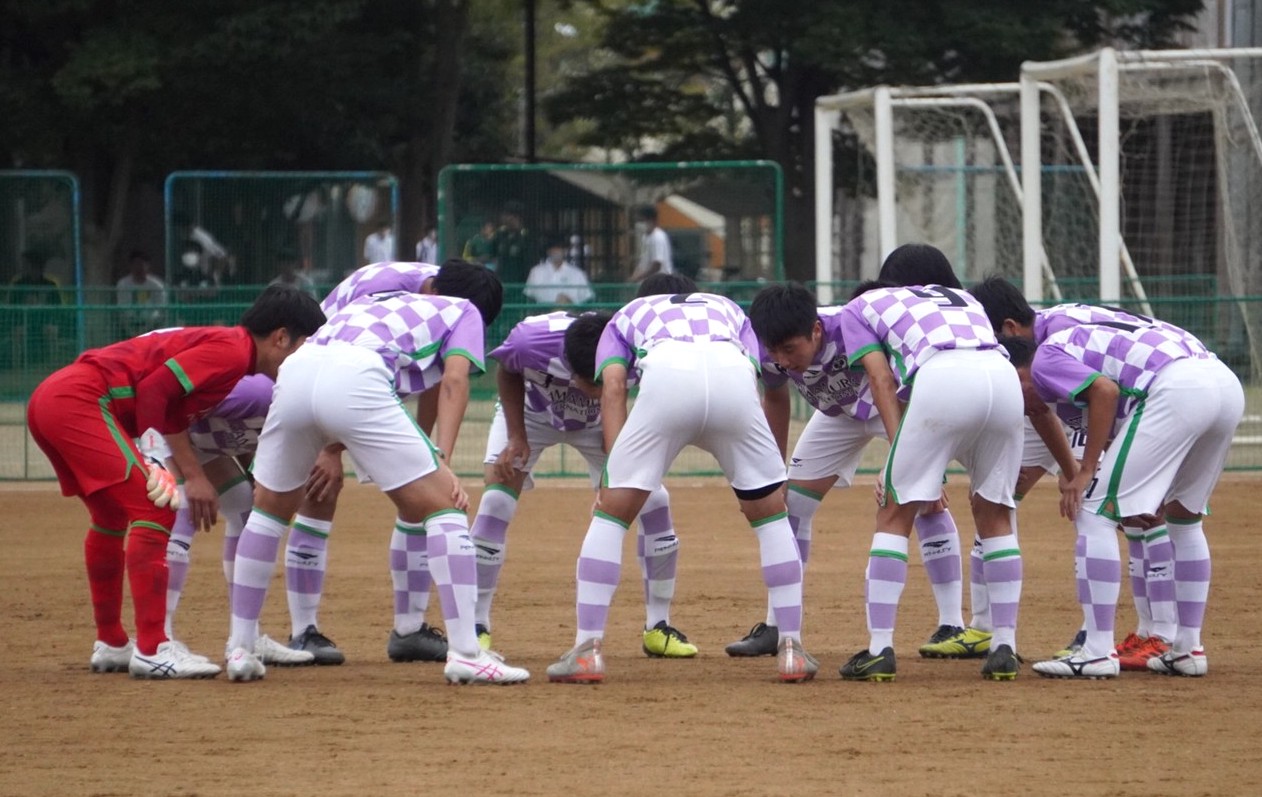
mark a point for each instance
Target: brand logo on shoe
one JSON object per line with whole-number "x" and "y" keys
{"x": 864, "y": 666}
{"x": 162, "y": 668}
{"x": 490, "y": 670}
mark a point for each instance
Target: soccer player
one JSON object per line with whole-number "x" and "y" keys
{"x": 803, "y": 344}
{"x": 343, "y": 390}
{"x": 695, "y": 356}
{"x": 1150, "y": 553}
{"x": 86, "y": 417}
{"x": 1146, "y": 376}
{"x": 931, "y": 348}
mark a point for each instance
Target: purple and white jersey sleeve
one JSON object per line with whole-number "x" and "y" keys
{"x": 536, "y": 350}
{"x": 232, "y": 427}
{"x": 696, "y": 317}
{"x": 911, "y": 325}
{"x": 1129, "y": 354}
{"x": 412, "y": 333}
{"x": 1055, "y": 319}
{"x": 829, "y": 385}
{"x": 377, "y": 278}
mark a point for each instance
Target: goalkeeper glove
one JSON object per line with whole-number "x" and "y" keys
{"x": 163, "y": 491}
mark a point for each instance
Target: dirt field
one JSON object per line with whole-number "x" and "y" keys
{"x": 710, "y": 726}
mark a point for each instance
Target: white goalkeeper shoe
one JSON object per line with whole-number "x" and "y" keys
{"x": 170, "y": 661}
{"x": 107, "y": 658}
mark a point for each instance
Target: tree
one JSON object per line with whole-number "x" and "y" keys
{"x": 704, "y": 79}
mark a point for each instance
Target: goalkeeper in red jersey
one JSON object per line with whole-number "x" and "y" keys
{"x": 86, "y": 416}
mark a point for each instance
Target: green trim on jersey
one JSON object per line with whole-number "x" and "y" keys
{"x": 890, "y": 493}
{"x": 503, "y": 488}
{"x": 854, "y": 359}
{"x": 180, "y": 375}
{"x": 610, "y": 518}
{"x": 769, "y": 519}
{"x": 120, "y": 440}
{"x": 1086, "y": 383}
{"x": 885, "y": 553}
{"x": 1004, "y": 554}
{"x": 803, "y": 491}
{"x": 122, "y": 392}
{"x": 1108, "y": 507}
{"x": 480, "y": 365}
{"x": 600, "y": 370}
{"x": 424, "y": 351}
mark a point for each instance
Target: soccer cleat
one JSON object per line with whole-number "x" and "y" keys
{"x": 170, "y": 661}
{"x": 1074, "y": 646}
{"x": 762, "y": 640}
{"x": 485, "y": 668}
{"x": 484, "y": 636}
{"x": 321, "y": 648}
{"x": 793, "y": 663}
{"x": 1136, "y": 660}
{"x": 965, "y": 643}
{"x": 863, "y": 666}
{"x": 427, "y": 644}
{"x": 583, "y": 664}
{"x": 245, "y": 666}
{"x": 665, "y": 642}
{"x": 1077, "y": 668}
{"x": 107, "y": 658}
{"x": 270, "y": 651}
{"x": 189, "y": 653}
{"x": 1188, "y": 665}
{"x": 1129, "y": 645}
{"x": 1002, "y": 664}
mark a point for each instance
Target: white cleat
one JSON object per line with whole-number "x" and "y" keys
{"x": 107, "y": 658}
{"x": 171, "y": 661}
{"x": 1076, "y": 667}
{"x": 245, "y": 666}
{"x": 269, "y": 651}
{"x": 487, "y": 667}
{"x": 189, "y": 653}
{"x": 1188, "y": 665}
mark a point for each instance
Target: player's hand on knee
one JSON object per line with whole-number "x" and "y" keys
{"x": 203, "y": 502}
{"x": 162, "y": 488}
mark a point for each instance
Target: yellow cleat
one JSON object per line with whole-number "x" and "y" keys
{"x": 484, "y": 636}
{"x": 969, "y": 643}
{"x": 663, "y": 642}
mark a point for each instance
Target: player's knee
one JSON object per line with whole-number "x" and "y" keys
{"x": 758, "y": 492}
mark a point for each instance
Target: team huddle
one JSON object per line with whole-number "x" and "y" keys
{"x": 151, "y": 434}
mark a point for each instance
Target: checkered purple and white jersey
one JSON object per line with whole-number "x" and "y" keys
{"x": 412, "y": 333}
{"x": 232, "y": 427}
{"x": 1130, "y": 354}
{"x": 1051, "y": 320}
{"x": 911, "y": 325}
{"x": 691, "y": 317}
{"x": 377, "y": 278}
{"x": 536, "y": 350}
{"x": 829, "y": 385}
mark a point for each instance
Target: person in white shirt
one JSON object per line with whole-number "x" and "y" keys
{"x": 556, "y": 281}
{"x": 654, "y": 247}
{"x": 144, "y": 292}
{"x": 379, "y": 245}
{"x": 427, "y": 248}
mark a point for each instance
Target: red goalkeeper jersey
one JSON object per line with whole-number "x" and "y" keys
{"x": 167, "y": 379}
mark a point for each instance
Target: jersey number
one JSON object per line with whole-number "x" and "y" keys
{"x": 684, "y": 298}
{"x": 943, "y": 297}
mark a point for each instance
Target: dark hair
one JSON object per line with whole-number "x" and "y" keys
{"x": 478, "y": 284}
{"x": 1020, "y": 350}
{"x": 869, "y": 285}
{"x": 581, "y": 339}
{"x": 280, "y": 306}
{"x": 1002, "y": 300}
{"x": 138, "y": 254}
{"x": 918, "y": 264}
{"x": 781, "y": 312}
{"x": 646, "y": 212}
{"x": 660, "y": 284}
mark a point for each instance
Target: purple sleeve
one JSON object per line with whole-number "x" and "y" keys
{"x": 860, "y": 338}
{"x": 510, "y": 352}
{"x": 613, "y": 347}
{"x": 1059, "y": 377}
{"x": 749, "y": 340}
{"x": 251, "y": 398}
{"x": 467, "y": 338}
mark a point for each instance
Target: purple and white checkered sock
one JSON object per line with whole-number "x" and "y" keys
{"x": 940, "y": 553}
{"x": 598, "y": 569}
{"x": 779, "y": 556}
{"x": 1136, "y": 568}
{"x": 306, "y": 560}
{"x": 409, "y": 573}
{"x": 490, "y": 538}
{"x": 657, "y": 548}
{"x": 178, "y": 544}
{"x": 1098, "y": 566}
{"x": 1159, "y": 582}
{"x": 802, "y": 505}
{"x": 1004, "y": 573}
{"x": 255, "y": 562}
{"x": 454, "y": 569}
{"x": 1191, "y": 582}
{"x": 883, "y": 587}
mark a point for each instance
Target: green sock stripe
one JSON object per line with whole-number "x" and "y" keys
{"x": 1158, "y": 534}
{"x": 1173, "y": 522}
{"x": 1136, "y": 535}
{"x": 228, "y": 485}
{"x": 270, "y": 516}
{"x": 107, "y": 532}
{"x": 417, "y": 530}
{"x": 769, "y": 519}
{"x": 610, "y": 518}
{"x": 314, "y": 532}
{"x": 1017, "y": 497}
{"x": 888, "y": 554}
{"x": 441, "y": 512}
{"x": 1004, "y": 554}
{"x": 808, "y": 493}
{"x": 146, "y": 524}
{"x": 504, "y": 488}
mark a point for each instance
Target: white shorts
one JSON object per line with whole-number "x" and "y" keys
{"x": 1036, "y": 454}
{"x": 339, "y": 393}
{"x": 1172, "y": 446}
{"x": 153, "y": 444}
{"x": 542, "y": 436}
{"x": 702, "y": 394}
{"x": 965, "y": 405}
{"x": 832, "y": 446}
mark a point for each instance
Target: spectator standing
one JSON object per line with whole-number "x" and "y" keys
{"x": 480, "y": 248}
{"x": 144, "y": 293}
{"x": 427, "y": 247}
{"x": 654, "y": 246}
{"x": 379, "y": 245}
